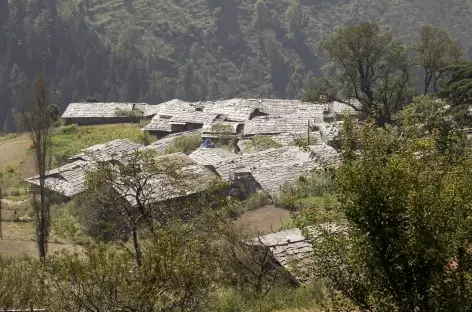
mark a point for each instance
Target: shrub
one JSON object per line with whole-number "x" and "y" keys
{"x": 91, "y": 99}
{"x": 8, "y": 136}
{"x": 261, "y": 142}
{"x": 65, "y": 224}
{"x": 305, "y": 142}
{"x": 185, "y": 144}
{"x": 257, "y": 200}
{"x": 297, "y": 196}
{"x": 53, "y": 111}
{"x": 276, "y": 299}
{"x": 129, "y": 113}
{"x": 10, "y": 168}
{"x": 67, "y": 129}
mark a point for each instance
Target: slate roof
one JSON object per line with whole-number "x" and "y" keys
{"x": 276, "y": 125}
{"x": 158, "y": 124}
{"x": 195, "y": 117}
{"x": 174, "y": 107}
{"x": 284, "y": 139}
{"x": 330, "y": 131}
{"x": 192, "y": 179}
{"x": 343, "y": 109}
{"x": 107, "y": 150}
{"x": 274, "y": 167}
{"x": 209, "y": 156}
{"x": 325, "y": 155}
{"x": 293, "y": 251}
{"x": 98, "y": 110}
{"x": 68, "y": 180}
{"x": 233, "y": 110}
{"x": 277, "y": 107}
{"x": 178, "y": 112}
{"x": 272, "y": 178}
{"x": 149, "y": 110}
{"x": 265, "y": 159}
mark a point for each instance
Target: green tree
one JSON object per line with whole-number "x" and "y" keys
{"x": 435, "y": 50}
{"x": 405, "y": 197}
{"x": 179, "y": 272}
{"x": 19, "y": 87}
{"x": 261, "y": 19}
{"x": 295, "y": 21}
{"x": 20, "y": 285}
{"x": 458, "y": 89}
{"x": 370, "y": 65}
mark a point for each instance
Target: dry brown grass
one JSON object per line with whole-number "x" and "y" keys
{"x": 264, "y": 220}
{"x": 13, "y": 152}
{"x": 18, "y": 241}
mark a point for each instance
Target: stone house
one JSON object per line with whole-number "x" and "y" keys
{"x": 106, "y": 113}
{"x": 292, "y": 252}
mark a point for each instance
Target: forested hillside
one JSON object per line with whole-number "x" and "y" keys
{"x": 156, "y": 50}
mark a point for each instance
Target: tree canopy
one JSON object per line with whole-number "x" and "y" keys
{"x": 435, "y": 51}
{"x": 405, "y": 196}
{"x": 369, "y": 64}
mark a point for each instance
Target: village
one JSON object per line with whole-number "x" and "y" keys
{"x": 304, "y": 138}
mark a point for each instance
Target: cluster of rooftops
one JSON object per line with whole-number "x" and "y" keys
{"x": 284, "y": 121}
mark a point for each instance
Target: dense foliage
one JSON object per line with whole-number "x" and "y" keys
{"x": 141, "y": 50}
{"x": 405, "y": 194}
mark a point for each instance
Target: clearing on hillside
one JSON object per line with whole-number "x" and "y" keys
{"x": 18, "y": 241}
{"x": 264, "y": 220}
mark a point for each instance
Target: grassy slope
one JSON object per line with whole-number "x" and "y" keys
{"x": 18, "y": 241}
{"x": 17, "y": 163}
{"x": 68, "y": 144}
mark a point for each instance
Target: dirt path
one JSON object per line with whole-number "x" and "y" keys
{"x": 263, "y": 220}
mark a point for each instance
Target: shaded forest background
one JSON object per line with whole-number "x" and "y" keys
{"x": 156, "y": 50}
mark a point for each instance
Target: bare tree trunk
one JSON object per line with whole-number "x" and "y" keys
{"x": 38, "y": 123}
{"x": 137, "y": 248}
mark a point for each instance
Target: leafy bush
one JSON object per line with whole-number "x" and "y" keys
{"x": 8, "y": 136}
{"x": 11, "y": 182}
{"x": 129, "y": 113}
{"x": 91, "y": 99}
{"x": 302, "y": 193}
{"x": 276, "y": 299}
{"x": 65, "y": 224}
{"x": 20, "y": 283}
{"x": 184, "y": 144}
{"x": 304, "y": 141}
{"x": 53, "y": 111}
{"x": 10, "y": 168}
{"x": 261, "y": 142}
{"x": 68, "y": 129}
{"x": 257, "y": 200}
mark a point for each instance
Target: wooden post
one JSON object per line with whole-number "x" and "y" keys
{"x": 308, "y": 136}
